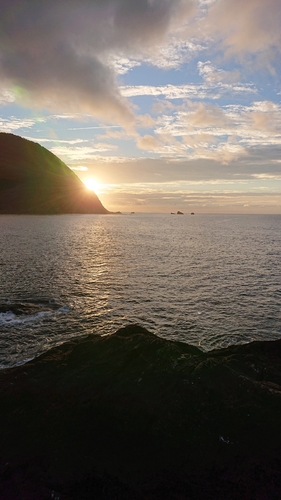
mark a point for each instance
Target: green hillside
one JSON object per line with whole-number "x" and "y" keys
{"x": 35, "y": 181}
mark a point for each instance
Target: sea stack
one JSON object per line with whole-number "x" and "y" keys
{"x": 35, "y": 181}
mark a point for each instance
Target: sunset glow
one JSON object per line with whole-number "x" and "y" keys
{"x": 177, "y": 103}
{"x": 92, "y": 184}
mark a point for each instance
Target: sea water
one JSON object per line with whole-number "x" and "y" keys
{"x": 207, "y": 280}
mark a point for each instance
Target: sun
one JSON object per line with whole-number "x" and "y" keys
{"x": 92, "y": 184}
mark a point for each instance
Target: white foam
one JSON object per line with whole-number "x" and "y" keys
{"x": 64, "y": 309}
{"x": 9, "y": 318}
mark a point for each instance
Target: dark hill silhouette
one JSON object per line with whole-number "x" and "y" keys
{"x": 35, "y": 181}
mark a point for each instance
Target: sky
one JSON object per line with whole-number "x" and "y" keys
{"x": 164, "y": 105}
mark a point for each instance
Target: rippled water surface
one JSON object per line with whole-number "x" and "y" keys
{"x": 209, "y": 280}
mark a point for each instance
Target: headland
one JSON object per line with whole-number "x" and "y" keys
{"x": 35, "y": 181}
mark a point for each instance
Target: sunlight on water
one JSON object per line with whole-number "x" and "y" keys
{"x": 206, "y": 280}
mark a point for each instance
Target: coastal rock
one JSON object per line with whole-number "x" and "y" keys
{"x": 35, "y": 181}
{"x": 135, "y": 416}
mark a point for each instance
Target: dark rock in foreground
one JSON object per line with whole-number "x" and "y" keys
{"x": 134, "y": 416}
{"x": 35, "y": 181}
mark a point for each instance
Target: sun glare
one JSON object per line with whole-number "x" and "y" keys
{"x": 92, "y": 184}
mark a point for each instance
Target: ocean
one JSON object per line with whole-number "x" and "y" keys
{"x": 207, "y": 280}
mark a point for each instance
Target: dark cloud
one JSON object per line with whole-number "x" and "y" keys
{"x": 55, "y": 52}
{"x": 158, "y": 171}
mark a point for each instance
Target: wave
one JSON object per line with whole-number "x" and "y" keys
{"x": 18, "y": 311}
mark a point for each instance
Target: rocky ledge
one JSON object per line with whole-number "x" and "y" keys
{"x": 134, "y": 416}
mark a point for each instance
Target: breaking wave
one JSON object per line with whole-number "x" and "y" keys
{"x": 18, "y": 312}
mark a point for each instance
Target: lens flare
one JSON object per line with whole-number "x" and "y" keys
{"x": 92, "y": 184}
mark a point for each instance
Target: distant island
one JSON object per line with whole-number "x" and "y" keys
{"x": 35, "y": 181}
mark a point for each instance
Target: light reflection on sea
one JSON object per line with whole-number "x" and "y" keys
{"x": 208, "y": 280}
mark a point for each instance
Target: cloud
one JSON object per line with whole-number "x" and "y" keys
{"x": 80, "y": 152}
{"x": 13, "y": 123}
{"x": 223, "y": 133}
{"x": 148, "y": 142}
{"x": 145, "y": 121}
{"x": 200, "y": 202}
{"x": 6, "y": 97}
{"x": 199, "y": 114}
{"x": 264, "y": 120}
{"x": 188, "y": 130}
{"x": 242, "y": 28}
{"x": 61, "y": 80}
{"x": 56, "y": 55}
{"x": 275, "y": 177}
{"x": 80, "y": 168}
{"x": 212, "y": 90}
{"x": 175, "y": 53}
{"x": 224, "y": 164}
{"x": 122, "y": 64}
{"x": 213, "y": 75}
{"x": 56, "y": 141}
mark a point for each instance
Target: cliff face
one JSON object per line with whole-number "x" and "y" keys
{"x": 35, "y": 181}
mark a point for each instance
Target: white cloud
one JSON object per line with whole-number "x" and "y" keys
{"x": 80, "y": 153}
{"x": 6, "y": 97}
{"x": 217, "y": 132}
{"x": 175, "y": 53}
{"x": 188, "y": 91}
{"x": 12, "y": 124}
{"x": 55, "y": 141}
{"x": 213, "y": 75}
{"x": 80, "y": 168}
{"x": 122, "y": 64}
{"x": 275, "y": 177}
